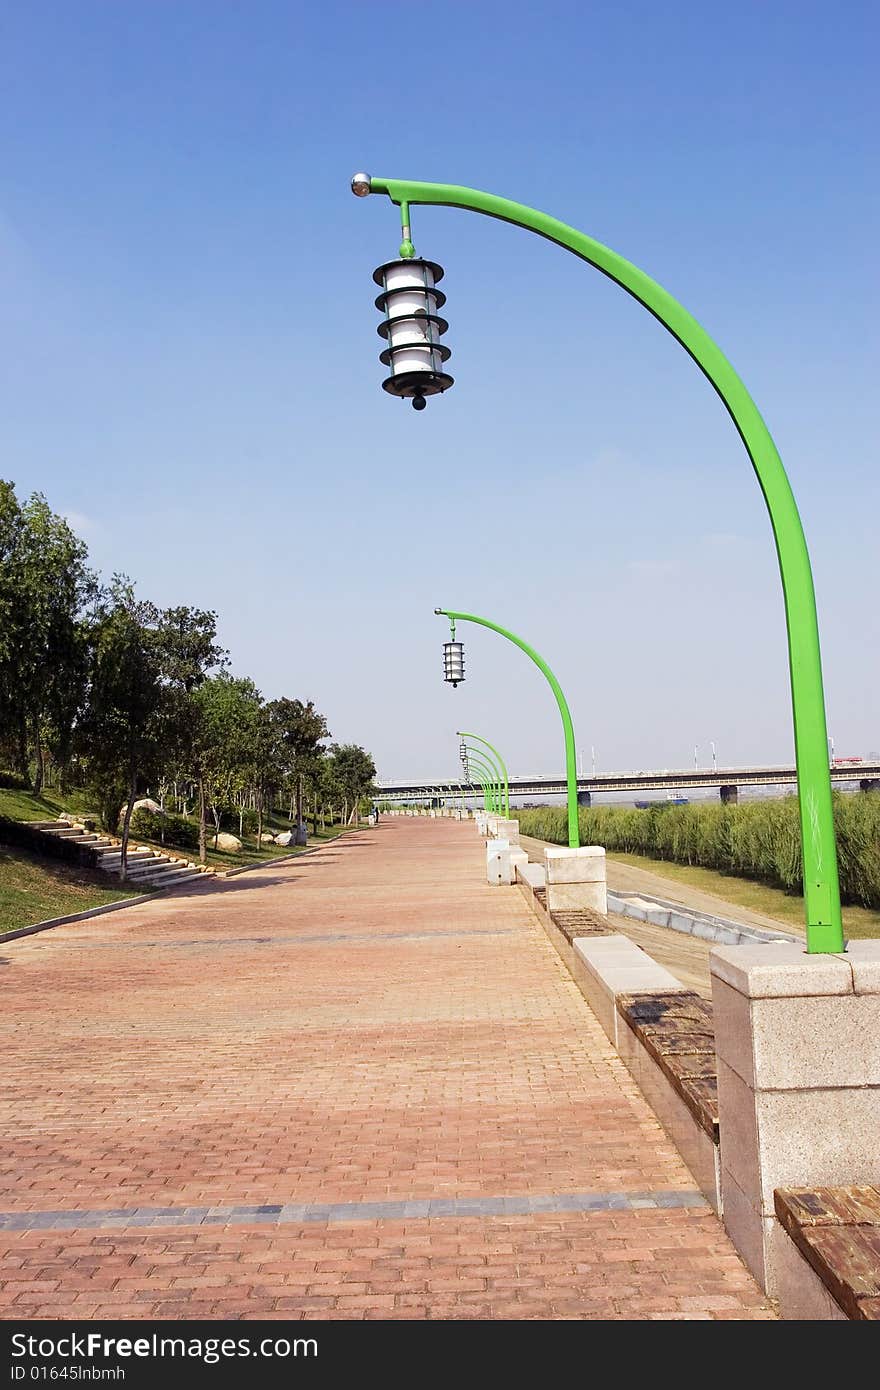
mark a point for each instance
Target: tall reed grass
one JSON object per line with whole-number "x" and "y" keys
{"x": 758, "y": 840}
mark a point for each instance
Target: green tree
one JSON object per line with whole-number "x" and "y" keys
{"x": 267, "y": 760}
{"x": 47, "y": 593}
{"x": 354, "y": 771}
{"x": 189, "y": 652}
{"x": 227, "y": 714}
{"x": 123, "y": 726}
{"x": 302, "y": 729}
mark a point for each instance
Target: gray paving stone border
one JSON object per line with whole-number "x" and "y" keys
{"x": 293, "y": 1213}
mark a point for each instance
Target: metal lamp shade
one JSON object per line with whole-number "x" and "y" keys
{"x": 453, "y": 662}
{"x": 412, "y": 328}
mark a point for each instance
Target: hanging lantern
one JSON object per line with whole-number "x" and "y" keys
{"x": 453, "y": 662}
{"x": 412, "y": 329}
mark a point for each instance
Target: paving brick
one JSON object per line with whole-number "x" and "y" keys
{"x": 255, "y": 1068}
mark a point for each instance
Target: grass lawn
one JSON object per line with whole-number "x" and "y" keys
{"x": 786, "y": 908}
{"x": 19, "y": 805}
{"x": 33, "y": 889}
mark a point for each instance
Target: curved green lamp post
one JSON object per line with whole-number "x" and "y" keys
{"x": 491, "y": 767}
{"x": 485, "y": 788}
{"x": 484, "y": 764}
{"x": 490, "y": 773}
{"x": 567, "y": 726}
{"x": 504, "y": 780}
{"x": 821, "y": 883}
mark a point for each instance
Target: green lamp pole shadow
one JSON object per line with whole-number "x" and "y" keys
{"x": 567, "y": 726}
{"x": 490, "y": 771}
{"x": 821, "y": 883}
{"x": 502, "y": 769}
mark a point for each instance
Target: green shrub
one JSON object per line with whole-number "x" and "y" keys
{"x": 164, "y": 830}
{"x": 760, "y": 840}
{"x": 14, "y": 782}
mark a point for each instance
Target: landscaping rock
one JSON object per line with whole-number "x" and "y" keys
{"x": 147, "y": 804}
{"x": 267, "y": 839}
{"x": 285, "y": 839}
{"x": 230, "y": 843}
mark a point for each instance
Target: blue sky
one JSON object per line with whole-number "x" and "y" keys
{"x": 189, "y": 357}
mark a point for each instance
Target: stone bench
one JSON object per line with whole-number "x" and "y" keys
{"x": 613, "y": 965}
{"x": 532, "y": 874}
{"x": 667, "y": 1040}
{"x": 830, "y": 1266}
{"x": 502, "y": 861}
{"x": 677, "y": 1030}
{"x": 662, "y": 1030}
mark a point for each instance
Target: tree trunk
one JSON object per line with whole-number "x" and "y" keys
{"x": 132, "y": 793}
{"x": 39, "y": 768}
{"x": 203, "y": 822}
{"x": 22, "y": 746}
{"x": 259, "y": 821}
{"x": 216, "y": 814}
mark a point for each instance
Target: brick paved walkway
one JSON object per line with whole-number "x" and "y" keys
{"x": 361, "y": 1085}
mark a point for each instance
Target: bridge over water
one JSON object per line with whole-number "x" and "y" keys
{"x": 865, "y": 775}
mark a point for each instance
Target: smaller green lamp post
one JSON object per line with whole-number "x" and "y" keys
{"x": 453, "y": 673}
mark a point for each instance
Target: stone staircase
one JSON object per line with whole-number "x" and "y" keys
{"x": 150, "y": 867}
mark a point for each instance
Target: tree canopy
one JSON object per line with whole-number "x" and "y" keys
{"x": 103, "y": 689}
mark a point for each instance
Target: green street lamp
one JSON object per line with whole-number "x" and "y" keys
{"x": 567, "y": 726}
{"x": 474, "y": 761}
{"x": 502, "y": 770}
{"x": 485, "y": 790}
{"x": 821, "y": 884}
{"x": 490, "y": 772}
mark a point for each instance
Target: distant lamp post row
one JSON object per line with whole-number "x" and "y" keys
{"x": 456, "y": 674}
{"x": 503, "y": 780}
{"x": 472, "y": 762}
{"x": 416, "y": 358}
{"x": 496, "y": 765}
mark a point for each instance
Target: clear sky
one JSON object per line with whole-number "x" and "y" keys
{"x": 189, "y": 367}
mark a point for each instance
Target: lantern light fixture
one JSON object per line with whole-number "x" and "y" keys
{"x": 412, "y": 328}
{"x": 453, "y": 662}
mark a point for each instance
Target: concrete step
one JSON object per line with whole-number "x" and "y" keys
{"x": 155, "y": 866}
{"x": 48, "y": 824}
{"x": 171, "y": 880}
{"x": 116, "y": 848}
{"x": 69, "y": 832}
{"x": 112, "y": 861}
